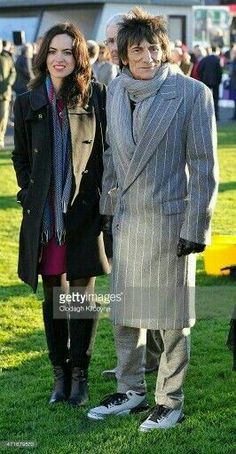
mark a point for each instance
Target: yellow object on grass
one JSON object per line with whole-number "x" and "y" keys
{"x": 221, "y": 253}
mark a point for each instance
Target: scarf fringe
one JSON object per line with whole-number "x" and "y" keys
{"x": 60, "y": 237}
{"x": 45, "y": 237}
{"x": 64, "y": 206}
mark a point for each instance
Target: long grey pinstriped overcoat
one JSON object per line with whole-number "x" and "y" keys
{"x": 166, "y": 191}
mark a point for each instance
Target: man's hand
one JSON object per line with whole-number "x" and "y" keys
{"x": 186, "y": 247}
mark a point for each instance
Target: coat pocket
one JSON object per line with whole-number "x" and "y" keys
{"x": 174, "y": 206}
{"x": 21, "y": 196}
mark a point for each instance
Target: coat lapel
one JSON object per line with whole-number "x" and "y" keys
{"x": 38, "y": 97}
{"x": 158, "y": 121}
{"x": 82, "y": 125}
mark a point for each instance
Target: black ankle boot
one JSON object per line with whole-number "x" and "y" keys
{"x": 58, "y": 393}
{"x": 79, "y": 387}
{"x": 67, "y": 367}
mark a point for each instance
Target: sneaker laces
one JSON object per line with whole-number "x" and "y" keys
{"x": 114, "y": 399}
{"x": 155, "y": 412}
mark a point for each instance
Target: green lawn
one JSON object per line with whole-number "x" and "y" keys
{"x": 26, "y": 375}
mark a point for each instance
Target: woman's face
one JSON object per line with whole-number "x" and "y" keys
{"x": 144, "y": 59}
{"x": 60, "y": 60}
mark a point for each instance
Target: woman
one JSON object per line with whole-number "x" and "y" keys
{"x": 59, "y": 127}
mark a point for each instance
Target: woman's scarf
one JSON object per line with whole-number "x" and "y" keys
{"x": 142, "y": 93}
{"x": 61, "y": 177}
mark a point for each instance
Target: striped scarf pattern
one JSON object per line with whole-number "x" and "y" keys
{"x": 61, "y": 179}
{"x": 119, "y": 115}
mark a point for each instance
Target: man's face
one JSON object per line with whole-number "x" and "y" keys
{"x": 111, "y": 42}
{"x": 144, "y": 59}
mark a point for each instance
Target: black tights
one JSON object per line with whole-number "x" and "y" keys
{"x": 67, "y": 339}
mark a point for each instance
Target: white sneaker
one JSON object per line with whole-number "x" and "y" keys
{"x": 109, "y": 373}
{"x": 162, "y": 418}
{"x": 119, "y": 404}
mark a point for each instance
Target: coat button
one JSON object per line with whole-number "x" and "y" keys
{"x": 31, "y": 180}
{"x": 36, "y": 150}
{"x": 88, "y": 141}
{"x": 28, "y": 211}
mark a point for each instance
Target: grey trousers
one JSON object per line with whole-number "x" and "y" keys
{"x": 154, "y": 348}
{"x": 131, "y": 350}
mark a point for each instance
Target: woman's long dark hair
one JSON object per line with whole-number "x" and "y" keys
{"x": 75, "y": 87}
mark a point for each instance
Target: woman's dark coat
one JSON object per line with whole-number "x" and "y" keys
{"x": 32, "y": 158}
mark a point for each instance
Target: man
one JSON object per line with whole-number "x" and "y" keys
{"x": 154, "y": 341}
{"x": 7, "y": 48}
{"x": 160, "y": 172}
{"x": 93, "y": 50}
{"x": 210, "y": 71}
{"x": 112, "y": 28}
{"x": 24, "y": 70}
{"x": 7, "y": 78}
{"x": 106, "y": 71}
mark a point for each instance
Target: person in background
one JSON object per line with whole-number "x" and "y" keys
{"x": 7, "y": 79}
{"x": 59, "y": 142}
{"x": 112, "y": 27}
{"x": 36, "y": 46}
{"x": 9, "y": 51}
{"x": 210, "y": 71}
{"x": 232, "y": 75}
{"x": 176, "y": 55}
{"x": 186, "y": 64}
{"x": 154, "y": 342}
{"x": 199, "y": 52}
{"x": 93, "y": 51}
{"x": 161, "y": 136}
{"x": 104, "y": 69}
{"x": 24, "y": 71}
{"x": 217, "y": 38}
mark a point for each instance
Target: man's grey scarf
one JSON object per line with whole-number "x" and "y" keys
{"x": 128, "y": 129}
{"x": 61, "y": 178}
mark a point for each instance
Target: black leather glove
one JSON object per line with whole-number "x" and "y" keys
{"x": 186, "y": 247}
{"x": 107, "y": 234}
{"x": 107, "y": 223}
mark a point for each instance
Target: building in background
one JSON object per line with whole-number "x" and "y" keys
{"x": 34, "y": 17}
{"x": 213, "y": 24}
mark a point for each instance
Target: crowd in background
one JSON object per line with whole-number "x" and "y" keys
{"x": 210, "y": 65}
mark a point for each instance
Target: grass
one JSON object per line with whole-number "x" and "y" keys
{"x": 25, "y": 380}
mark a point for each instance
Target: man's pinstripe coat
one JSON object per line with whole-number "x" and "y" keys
{"x": 166, "y": 190}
